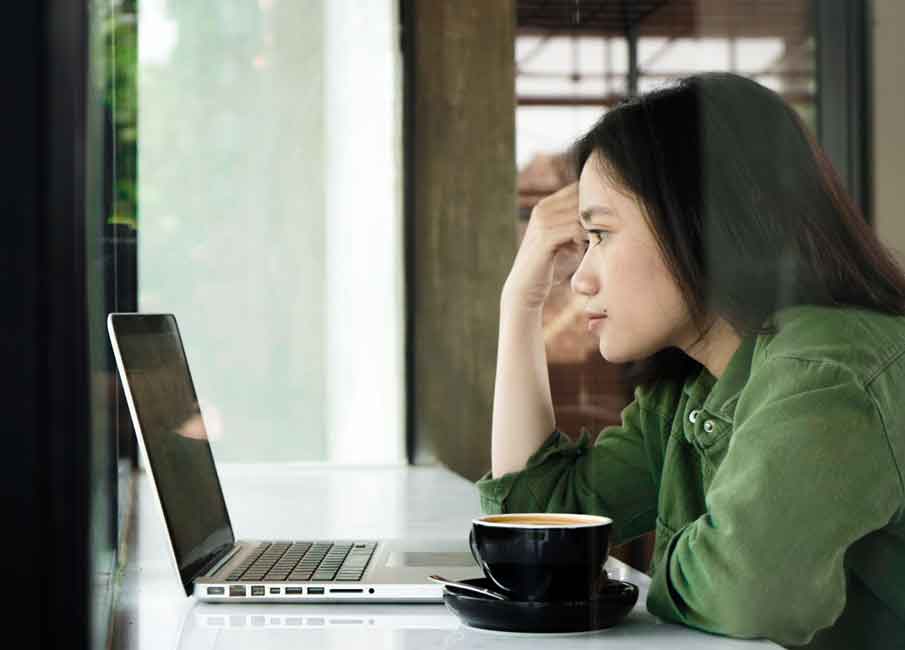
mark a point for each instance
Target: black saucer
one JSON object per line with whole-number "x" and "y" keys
{"x": 614, "y": 603}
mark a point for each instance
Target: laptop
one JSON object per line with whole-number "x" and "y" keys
{"x": 212, "y": 564}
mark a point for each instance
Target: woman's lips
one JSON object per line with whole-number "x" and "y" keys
{"x": 594, "y": 322}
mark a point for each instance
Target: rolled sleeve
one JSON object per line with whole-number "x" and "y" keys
{"x": 611, "y": 477}
{"x": 495, "y": 491}
{"x": 808, "y": 473}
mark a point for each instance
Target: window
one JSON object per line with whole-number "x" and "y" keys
{"x": 269, "y": 220}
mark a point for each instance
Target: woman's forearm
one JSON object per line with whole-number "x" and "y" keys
{"x": 522, "y": 406}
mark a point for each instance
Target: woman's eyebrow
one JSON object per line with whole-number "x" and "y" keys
{"x": 587, "y": 213}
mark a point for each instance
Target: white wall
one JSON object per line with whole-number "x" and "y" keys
{"x": 365, "y": 408}
{"x": 261, "y": 228}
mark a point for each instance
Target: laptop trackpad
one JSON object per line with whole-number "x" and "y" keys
{"x": 427, "y": 559}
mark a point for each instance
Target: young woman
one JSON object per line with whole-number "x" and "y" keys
{"x": 715, "y": 247}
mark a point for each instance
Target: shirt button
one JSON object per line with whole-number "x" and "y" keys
{"x": 708, "y": 426}
{"x": 693, "y": 416}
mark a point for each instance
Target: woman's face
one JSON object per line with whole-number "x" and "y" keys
{"x": 622, "y": 274}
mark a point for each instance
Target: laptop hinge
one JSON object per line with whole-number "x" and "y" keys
{"x": 220, "y": 557}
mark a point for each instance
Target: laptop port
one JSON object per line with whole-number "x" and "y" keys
{"x": 257, "y": 590}
{"x": 215, "y": 591}
{"x": 347, "y": 591}
{"x": 315, "y": 590}
{"x": 236, "y": 590}
{"x": 274, "y": 590}
{"x": 294, "y": 590}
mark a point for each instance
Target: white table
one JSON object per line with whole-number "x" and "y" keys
{"x": 322, "y": 501}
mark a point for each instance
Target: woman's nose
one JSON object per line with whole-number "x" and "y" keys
{"x": 583, "y": 281}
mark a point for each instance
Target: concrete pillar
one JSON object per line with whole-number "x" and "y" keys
{"x": 461, "y": 98}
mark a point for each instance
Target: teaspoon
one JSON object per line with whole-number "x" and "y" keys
{"x": 463, "y": 585}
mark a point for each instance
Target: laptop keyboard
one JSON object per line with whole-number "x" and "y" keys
{"x": 302, "y": 561}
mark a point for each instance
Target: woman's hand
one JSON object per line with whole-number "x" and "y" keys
{"x": 549, "y": 253}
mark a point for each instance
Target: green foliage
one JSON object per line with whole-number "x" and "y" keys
{"x": 121, "y": 103}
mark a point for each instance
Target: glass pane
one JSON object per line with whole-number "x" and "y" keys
{"x": 569, "y": 66}
{"x": 565, "y": 82}
{"x": 108, "y": 27}
{"x": 685, "y": 55}
{"x": 561, "y": 68}
{"x": 544, "y": 129}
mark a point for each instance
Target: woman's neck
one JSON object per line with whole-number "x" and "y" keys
{"x": 715, "y": 348}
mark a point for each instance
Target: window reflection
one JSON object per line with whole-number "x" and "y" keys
{"x": 571, "y": 67}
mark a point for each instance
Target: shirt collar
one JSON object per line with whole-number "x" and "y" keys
{"x": 719, "y": 396}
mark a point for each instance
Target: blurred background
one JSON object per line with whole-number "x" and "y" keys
{"x": 328, "y": 195}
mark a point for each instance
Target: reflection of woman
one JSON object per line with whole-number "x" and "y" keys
{"x": 766, "y": 442}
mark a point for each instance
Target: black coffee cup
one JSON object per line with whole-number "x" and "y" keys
{"x": 543, "y": 557}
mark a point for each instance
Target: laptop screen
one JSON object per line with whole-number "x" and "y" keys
{"x": 175, "y": 439}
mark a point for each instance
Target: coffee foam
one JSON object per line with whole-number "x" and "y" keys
{"x": 543, "y": 520}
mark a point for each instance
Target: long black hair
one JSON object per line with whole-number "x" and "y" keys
{"x": 748, "y": 212}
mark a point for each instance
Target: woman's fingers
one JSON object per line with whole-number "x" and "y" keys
{"x": 559, "y": 207}
{"x": 551, "y": 248}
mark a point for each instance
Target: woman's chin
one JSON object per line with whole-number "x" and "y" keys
{"x": 613, "y": 354}
{"x": 607, "y": 352}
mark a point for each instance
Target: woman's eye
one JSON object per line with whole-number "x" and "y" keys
{"x": 594, "y": 237}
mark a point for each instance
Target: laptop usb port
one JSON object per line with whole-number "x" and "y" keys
{"x": 215, "y": 591}
{"x": 257, "y": 590}
{"x": 294, "y": 590}
{"x": 315, "y": 590}
{"x": 236, "y": 590}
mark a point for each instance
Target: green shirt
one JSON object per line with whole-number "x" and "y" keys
{"x": 776, "y": 492}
